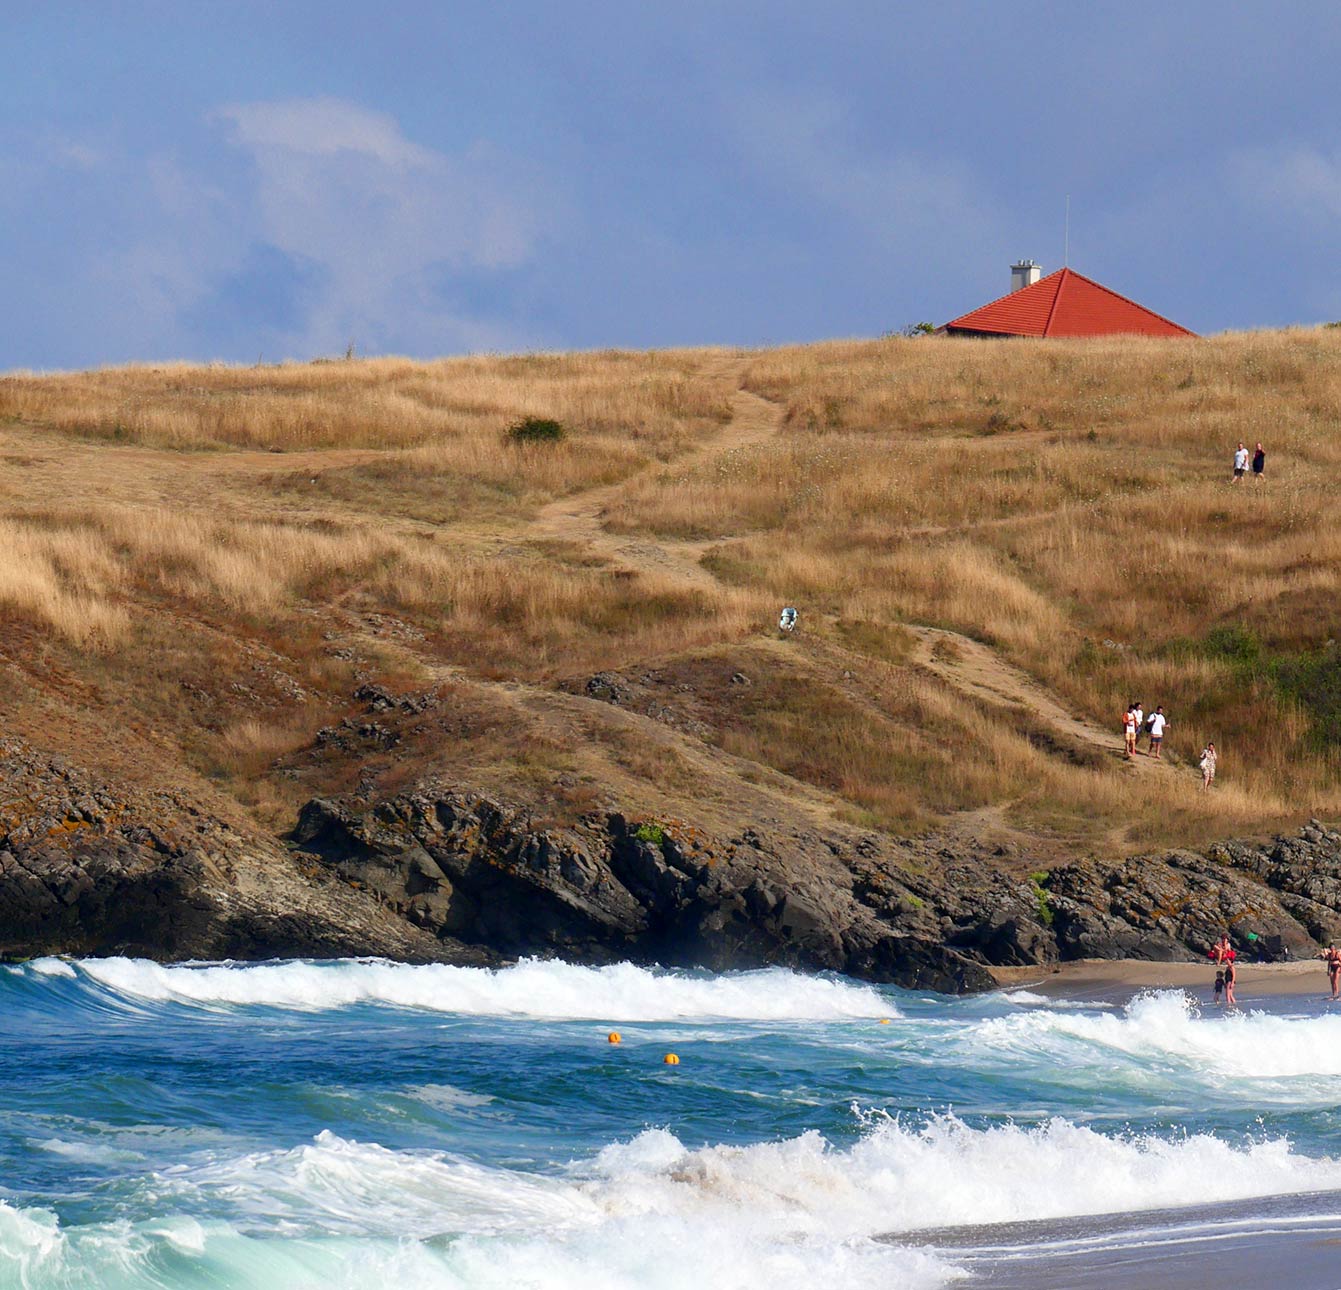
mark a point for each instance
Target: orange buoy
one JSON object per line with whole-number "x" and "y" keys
{"x": 670, "y": 1059}
{"x": 884, "y": 1021}
{"x": 614, "y": 1037}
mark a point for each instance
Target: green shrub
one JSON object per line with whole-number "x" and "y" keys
{"x": 1236, "y": 645}
{"x": 1313, "y": 681}
{"x": 650, "y": 832}
{"x": 537, "y": 430}
{"x": 1036, "y": 881}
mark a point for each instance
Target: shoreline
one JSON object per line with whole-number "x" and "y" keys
{"x": 1103, "y": 979}
{"x": 1288, "y": 1241}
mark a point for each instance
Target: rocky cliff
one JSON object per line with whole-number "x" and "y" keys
{"x": 93, "y": 867}
{"x": 440, "y": 873}
{"x": 915, "y": 913}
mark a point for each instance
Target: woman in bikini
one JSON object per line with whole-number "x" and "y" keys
{"x": 1332, "y": 957}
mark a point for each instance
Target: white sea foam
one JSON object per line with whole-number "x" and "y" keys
{"x": 533, "y": 988}
{"x": 1168, "y": 1028}
{"x": 1028, "y": 999}
{"x": 644, "y": 1213}
{"x": 50, "y": 967}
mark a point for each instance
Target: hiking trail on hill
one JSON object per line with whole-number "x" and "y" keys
{"x": 577, "y": 519}
{"x": 967, "y": 665}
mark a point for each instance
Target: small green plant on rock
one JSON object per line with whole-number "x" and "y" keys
{"x": 1045, "y": 911}
{"x": 650, "y": 832}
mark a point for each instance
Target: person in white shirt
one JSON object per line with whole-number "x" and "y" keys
{"x": 1157, "y": 723}
{"x": 1240, "y": 463}
{"x": 1139, "y": 713}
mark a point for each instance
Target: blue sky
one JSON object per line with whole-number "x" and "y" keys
{"x": 233, "y": 181}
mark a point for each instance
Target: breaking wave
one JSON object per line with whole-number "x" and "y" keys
{"x": 648, "y": 1212}
{"x": 532, "y": 988}
{"x": 1169, "y": 1028}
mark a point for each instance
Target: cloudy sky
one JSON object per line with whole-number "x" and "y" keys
{"x": 197, "y": 180}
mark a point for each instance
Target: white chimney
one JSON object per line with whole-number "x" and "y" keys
{"x": 1024, "y": 274}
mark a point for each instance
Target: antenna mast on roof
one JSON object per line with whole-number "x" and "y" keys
{"x": 1066, "y": 245}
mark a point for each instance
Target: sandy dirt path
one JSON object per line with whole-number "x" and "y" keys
{"x": 976, "y": 669}
{"x": 578, "y": 519}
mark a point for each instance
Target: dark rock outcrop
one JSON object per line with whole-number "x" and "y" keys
{"x": 90, "y": 867}
{"x": 462, "y": 865}
{"x": 444, "y": 874}
{"x": 914, "y": 913}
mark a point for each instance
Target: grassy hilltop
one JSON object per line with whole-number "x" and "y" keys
{"x": 992, "y": 545}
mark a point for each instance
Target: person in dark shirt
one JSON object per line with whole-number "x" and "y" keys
{"x": 1259, "y": 463}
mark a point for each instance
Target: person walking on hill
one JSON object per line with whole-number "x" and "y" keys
{"x": 1240, "y": 463}
{"x": 1157, "y": 723}
{"x": 1259, "y": 463}
{"x": 1129, "y": 730}
{"x": 1332, "y": 957}
{"x": 1138, "y": 711}
{"x": 1207, "y": 765}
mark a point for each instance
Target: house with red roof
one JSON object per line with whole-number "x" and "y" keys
{"x": 1065, "y": 303}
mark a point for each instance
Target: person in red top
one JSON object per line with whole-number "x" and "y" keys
{"x": 1332, "y": 957}
{"x": 1222, "y": 955}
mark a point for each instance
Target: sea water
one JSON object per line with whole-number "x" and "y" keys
{"x": 369, "y": 1124}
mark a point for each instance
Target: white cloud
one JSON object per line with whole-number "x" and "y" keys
{"x": 383, "y": 221}
{"x": 897, "y": 198}
{"x": 323, "y": 127}
{"x": 1294, "y": 181}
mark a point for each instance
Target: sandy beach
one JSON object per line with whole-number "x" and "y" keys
{"x": 1289, "y": 1242}
{"x": 1108, "y": 979}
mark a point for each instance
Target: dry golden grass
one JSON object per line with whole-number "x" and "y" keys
{"x": 83, "y": 572}
{"x": 645, "y": 400}
{"x": 1066, "y": 502}
{"x": 1041, "y": 496}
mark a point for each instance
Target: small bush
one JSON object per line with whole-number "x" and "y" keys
{"x": 650, "y": 832}
{"x": 1045, "y": 910}
{"x": 537, "y": 430}
{"x": 1235, "y": 645}
{"x": 1313, "y": 680}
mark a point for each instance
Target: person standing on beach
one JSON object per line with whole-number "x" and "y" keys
{"x": 1259, "y": 463}
{"x": 1157, "y": 723}
{"x": 1207, "y": 765}
{"x": 1231, "y": 979}
{"x": 1219, "y": 987}
{"x": 1240, "y": 463}
{"x": 1332, "y": 957}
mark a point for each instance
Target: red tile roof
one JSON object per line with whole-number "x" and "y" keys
{"x": 1066, "y": 303}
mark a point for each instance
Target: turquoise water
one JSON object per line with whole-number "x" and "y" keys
{"x": 361, "y": 1124}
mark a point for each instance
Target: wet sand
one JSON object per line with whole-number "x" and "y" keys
{"x": 1286, "y": 1242}
{"x": 1116, "y": 980}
